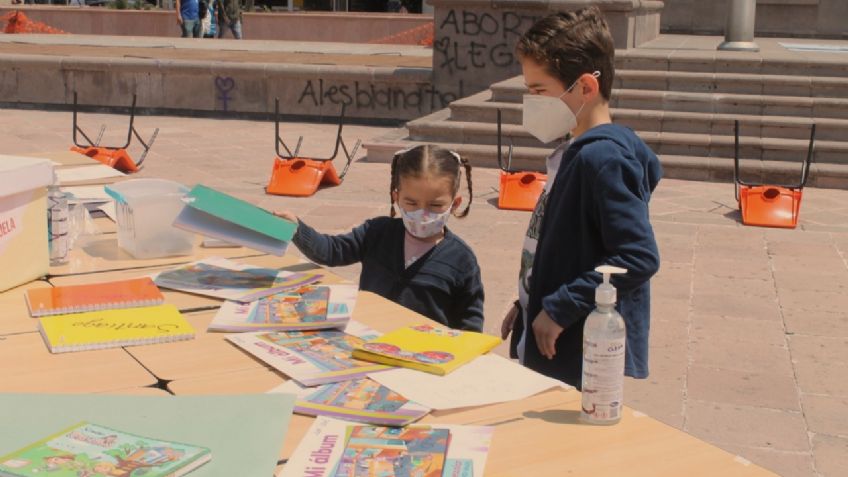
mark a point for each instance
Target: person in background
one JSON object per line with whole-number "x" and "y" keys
{"x": 210, "y": 21}
{"x": 229, "y": 17}
{"x": 188, "y": 17}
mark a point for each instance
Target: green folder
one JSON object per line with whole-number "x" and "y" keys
{"x": 218, "y": 215}
{"x": 243, "y": 432}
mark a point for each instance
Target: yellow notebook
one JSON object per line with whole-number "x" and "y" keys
{"x": 429, "y": 348}
{"x": 113, "y": 328}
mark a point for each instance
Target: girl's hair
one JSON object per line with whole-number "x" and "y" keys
{"x": 434, "y": 161}
{"x": 570, "y": 44}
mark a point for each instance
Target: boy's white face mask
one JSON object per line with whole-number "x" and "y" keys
{"x": 422, "y": 223}
{"x": 547, "y": 117}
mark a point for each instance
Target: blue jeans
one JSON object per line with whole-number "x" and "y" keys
{"x": 191, "y": 28}
{"x": 234, "y": 27}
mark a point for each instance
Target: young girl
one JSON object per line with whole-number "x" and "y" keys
{"x": 413, "y": 260}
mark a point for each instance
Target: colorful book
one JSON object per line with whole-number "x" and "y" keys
{"x": 429, "y": 348}
{"x": 334, "y": 448}
{"x": 222, "y": 278}
{"x": 311, "y": 307}
{"x": 311, "y": 357}
{"x": 218, "y": 215}
{"x": 114, "y": 328}
{"x": 132, "y": 293}
{"x": 93, "y": 450}
{"x": 359, "y": 400}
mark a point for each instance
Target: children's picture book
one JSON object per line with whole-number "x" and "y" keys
{"x": 92, "y": 297}
{"x": 222, "y": 278}
{"x": 429, "y": 348}
{"x": 360, "y": 400}
{"x": 311, "y": 357}
{"x": 311, "y": 307}
{"x": 218, "y": 215}
{"x": 335, "y": 448}
{"x": 91, "y": 450}
{"x": 114, "y": 328}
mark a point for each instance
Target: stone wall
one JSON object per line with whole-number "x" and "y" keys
{"x": 475, "y": 39}
{"x": 787, "y": 18}
{"x": 372, "y": 93}
{"x": 338, "y": 27}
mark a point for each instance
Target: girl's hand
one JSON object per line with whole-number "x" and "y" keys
{"x": 286, "y": 215}
{"x": 546, "y": 331}
{"x": 509, "y": 321}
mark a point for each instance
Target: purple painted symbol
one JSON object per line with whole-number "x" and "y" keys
{"x": 224, "y": 84}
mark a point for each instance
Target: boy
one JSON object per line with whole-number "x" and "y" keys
{"x": 595, "y": 208}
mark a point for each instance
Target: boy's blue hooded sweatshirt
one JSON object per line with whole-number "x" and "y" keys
{"x": 596, "y": 213}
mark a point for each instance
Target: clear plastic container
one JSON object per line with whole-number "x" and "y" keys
{"x": 146, "y": 209}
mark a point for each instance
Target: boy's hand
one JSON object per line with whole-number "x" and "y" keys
{"x": 509, "y": 321}
{"x": 546, "y": 331}
{"x": 286, "y": 215}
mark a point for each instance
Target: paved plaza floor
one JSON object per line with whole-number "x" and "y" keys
{"x": 749, "y": 340}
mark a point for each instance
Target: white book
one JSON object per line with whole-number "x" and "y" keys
{"x": 332, "y": 447}
{"x": 311, "y": 357}
{"x": 311, "y": 307}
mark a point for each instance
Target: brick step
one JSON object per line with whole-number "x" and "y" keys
{"x": 471, "y": 109}
{"x": 713, "y": 169}
{"x": 436, "y": 129}
{"x": 735, "y": 83}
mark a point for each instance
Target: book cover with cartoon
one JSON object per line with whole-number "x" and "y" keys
{"x": 393, "y": 451}
{"x": 359, "y": 400}
{"x": 221, "y": 278}
{"x": 311, "y": 307}
{"x": 311, "y": 357}
{"x": 91, "y": 450}
{"x": 335, "y": 448}
{"x": 429, "y": 348}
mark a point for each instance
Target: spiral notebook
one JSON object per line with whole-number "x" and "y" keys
{"x": 114, "y": 328}
{"x": 93, "y": 297}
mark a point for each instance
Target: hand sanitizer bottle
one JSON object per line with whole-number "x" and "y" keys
{"x": 603, "y": 356}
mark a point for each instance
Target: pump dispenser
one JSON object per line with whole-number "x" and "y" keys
{"x": 604, "y": 337}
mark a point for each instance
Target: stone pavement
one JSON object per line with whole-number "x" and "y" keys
{"x": 748, "y": 347}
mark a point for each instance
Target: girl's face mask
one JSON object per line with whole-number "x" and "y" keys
{"x": 422, "y": 223}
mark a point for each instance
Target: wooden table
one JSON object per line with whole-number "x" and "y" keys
{"x": 14, "y": 313}
{"x": 538, "y": 436}
{"x": 27, "y": 366}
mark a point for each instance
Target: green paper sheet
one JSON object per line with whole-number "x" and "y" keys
{"x": 244, "y": 432}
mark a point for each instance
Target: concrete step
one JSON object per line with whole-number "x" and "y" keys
{"x": 512, "y": 91}
{"x": 721, "y": 103}
{"x": 735, "y": 83}
{"x": 727, "y": 62}
{"x": 435, "y": 128}
{"x": 476, "y": 109}
{"x": 715, "y": 169}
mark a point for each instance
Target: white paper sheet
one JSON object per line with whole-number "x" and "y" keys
{"x": 488, "y": 379}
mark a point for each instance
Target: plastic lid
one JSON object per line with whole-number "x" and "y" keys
{"x": 605, "y": 294}
{"x": 142, "y": 189}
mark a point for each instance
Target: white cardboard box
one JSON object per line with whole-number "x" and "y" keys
{"x": 24, "y": 254}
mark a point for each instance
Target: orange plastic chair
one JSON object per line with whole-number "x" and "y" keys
{"x": 112, "y": 156}
{"x": 519, "y": 190}
{"x": 297, "y": 176}
{"x": 770, "y": 205}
